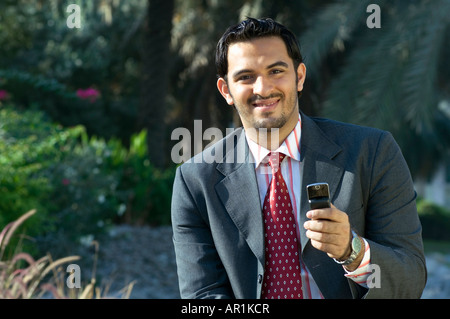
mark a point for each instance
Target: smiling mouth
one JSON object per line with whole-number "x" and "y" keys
{"x": 266, "y": 104}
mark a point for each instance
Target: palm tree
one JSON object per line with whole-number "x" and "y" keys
{"x": 198, "y": 25}
{"x": 156, "y": 63}
{"x": 394, "y": 78}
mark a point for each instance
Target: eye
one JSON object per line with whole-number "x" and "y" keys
{"x": 276, "y": 71}
{"x": 244, "y": 78}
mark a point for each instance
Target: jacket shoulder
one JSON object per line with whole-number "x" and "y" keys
{"x": 337, "y": 130}
{"x": 353, "y": 142}
{"x": 229, "y": 146}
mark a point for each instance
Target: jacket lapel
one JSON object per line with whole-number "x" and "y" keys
{"x": 318, "y": 164}
{"x": 239, "y": 193}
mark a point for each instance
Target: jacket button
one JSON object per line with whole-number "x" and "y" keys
{"x": 260, "y": 277}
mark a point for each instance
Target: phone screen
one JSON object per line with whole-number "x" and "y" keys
{"x": 318, "y": 190}
{"x": 318, "y": 195}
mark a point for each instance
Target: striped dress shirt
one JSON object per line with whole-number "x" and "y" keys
{"x": 290, "y": 169}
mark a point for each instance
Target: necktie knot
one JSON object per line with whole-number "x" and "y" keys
{"x": 275, "y": 159}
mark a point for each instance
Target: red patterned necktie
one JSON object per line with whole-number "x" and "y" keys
{"x": 282, "y": 278}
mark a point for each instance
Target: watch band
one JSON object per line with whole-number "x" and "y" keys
{"x": 356, "y": 248}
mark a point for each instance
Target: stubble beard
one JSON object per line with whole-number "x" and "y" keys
{"x": 269, "y": 122}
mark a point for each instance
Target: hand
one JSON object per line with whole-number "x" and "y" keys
{"x": 329, "y": 231}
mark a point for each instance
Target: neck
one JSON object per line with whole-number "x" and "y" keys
{"x": 271, "y": 139}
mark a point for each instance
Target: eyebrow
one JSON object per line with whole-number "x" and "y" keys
{"x": 278, "y": 63}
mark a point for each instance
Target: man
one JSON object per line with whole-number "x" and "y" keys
{"x": 227, "y": 232}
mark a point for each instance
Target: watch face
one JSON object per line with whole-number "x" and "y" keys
{"x": 356, "y": 244}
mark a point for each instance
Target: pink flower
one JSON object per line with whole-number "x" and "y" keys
{"x": 65, "y": 181}
{"x": 3, "y": 95}
{"x": 88, "y": 94}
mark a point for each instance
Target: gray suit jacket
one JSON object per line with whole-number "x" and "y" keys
{"x": 218, "y": 227}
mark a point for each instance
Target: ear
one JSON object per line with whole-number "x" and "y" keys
{"x": 222, "y": 86}
{"x": 301, "y": 75}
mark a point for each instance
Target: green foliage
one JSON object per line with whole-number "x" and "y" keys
{"x": 435, "y": 220}
{"x": 144, "y": 191}
{"x": 393, "y": 78}
{"x": 83, "y": 196}
{"x": 83, "y": 178}
{"x": 79, "y": 184}
{"x": 27, "y": 145}
{"x": 53, "y": 61}
{"x": 16, "y": 81}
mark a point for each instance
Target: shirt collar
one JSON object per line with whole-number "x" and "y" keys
{"x": 290, "y": 146}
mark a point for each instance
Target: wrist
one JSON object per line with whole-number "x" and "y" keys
{"x": 354, "y": 253}
{"x": 348, "y": 252}
{"x": 355, "y": 264}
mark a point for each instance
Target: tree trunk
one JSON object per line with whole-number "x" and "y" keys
{"x": 156, "y": 61}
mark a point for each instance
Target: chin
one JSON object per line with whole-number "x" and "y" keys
{"x": 270, "y": 123}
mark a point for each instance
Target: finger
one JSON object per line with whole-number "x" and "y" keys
{"x": 333, "y": 251}
{"x": 325, "y": 238}
{"x": 329, "y": 248}
{"x": 327, "y": 226}
{"x": 334, "y": 245}
{"x": 316, "y": 214}
{"x": 332, "y": 214}
{"x": 322, "y": 225}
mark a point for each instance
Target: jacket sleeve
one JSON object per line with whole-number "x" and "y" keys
{"x": 200, "y": 270}
{"x": 393, "y": 227}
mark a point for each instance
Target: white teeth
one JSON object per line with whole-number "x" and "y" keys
{"x": 265, "y": 104}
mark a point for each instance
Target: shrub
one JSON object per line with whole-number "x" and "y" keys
{"x": 80, "y": 185}
{"x": 84, "y": 202}
{"x": 27, "y": 145}
{"x": 435, "y": 220}
{"x": 144, "y": 191}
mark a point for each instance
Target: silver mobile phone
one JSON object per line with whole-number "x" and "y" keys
{"x": 318, "y": 195}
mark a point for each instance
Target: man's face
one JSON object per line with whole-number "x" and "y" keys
{"x": 262, "y": 83}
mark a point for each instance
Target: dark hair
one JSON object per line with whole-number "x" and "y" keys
{"x": 251, "y": 29}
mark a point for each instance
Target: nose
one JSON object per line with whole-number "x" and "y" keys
{"x": 262, "y": 86}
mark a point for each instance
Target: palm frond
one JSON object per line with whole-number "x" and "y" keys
{"x": 367, "y": 87}
{"x": 393, "y": 80}
{"x": 329, "y": 30}
{"x": 419, "y": 88}
{"x": 392, "y": 73}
